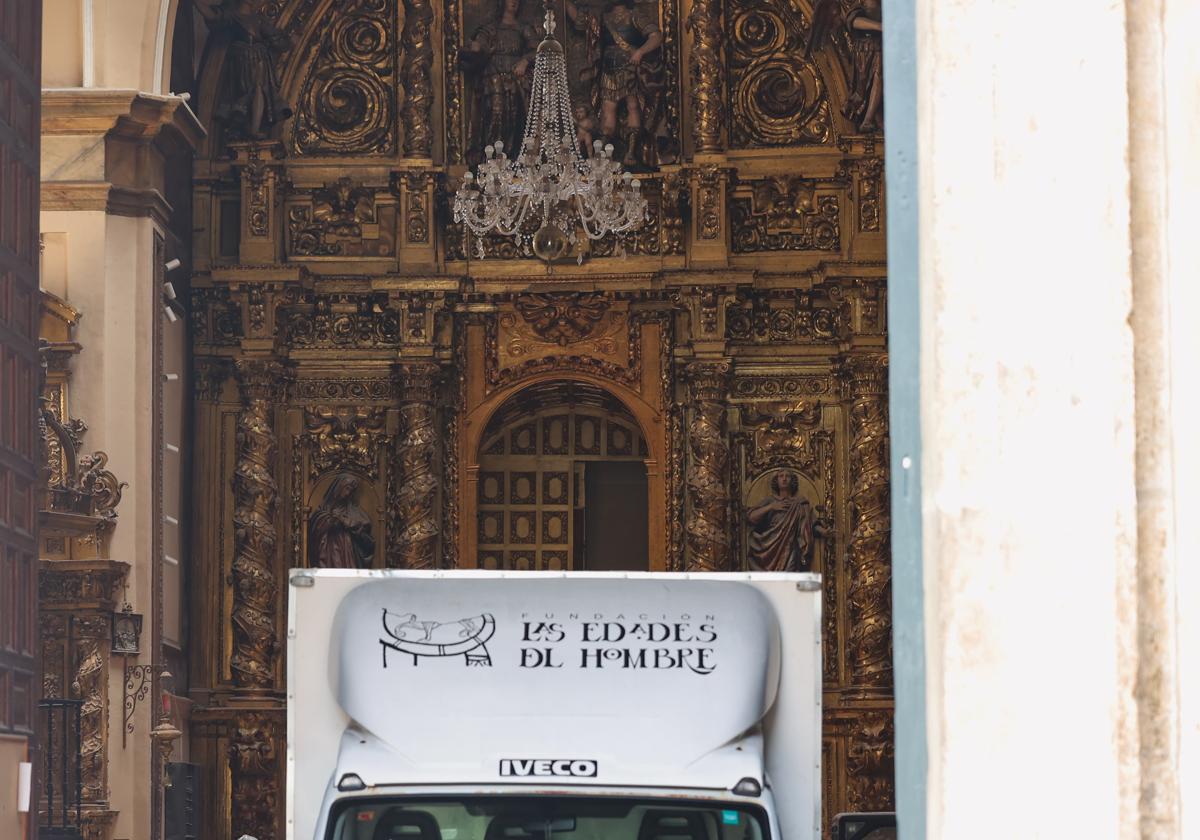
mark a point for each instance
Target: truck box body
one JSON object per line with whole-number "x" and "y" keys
{"x": 445, "y": 703}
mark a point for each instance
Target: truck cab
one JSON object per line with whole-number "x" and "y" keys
{"x": 531, "y": 706}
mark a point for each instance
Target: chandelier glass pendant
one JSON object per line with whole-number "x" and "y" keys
{"x": 549, "y": 183}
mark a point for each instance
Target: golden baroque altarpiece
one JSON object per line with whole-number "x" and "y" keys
{"x": 350, "y": 348}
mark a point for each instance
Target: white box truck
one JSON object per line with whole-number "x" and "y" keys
{"x": 541, "y": 706}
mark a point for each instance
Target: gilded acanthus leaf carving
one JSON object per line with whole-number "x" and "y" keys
{"x": 415, "y": 504}
{"x": 344, "y": 438}
{"x": 563, "y": 318}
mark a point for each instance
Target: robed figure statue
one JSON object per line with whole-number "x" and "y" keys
{"x": 250, "y": 103}
{"x": 783, "y": 528}
{"x": 339, "y": 531}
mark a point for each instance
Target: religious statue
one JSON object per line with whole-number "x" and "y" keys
{"x": 624, "y": 66}
{"x": 339, "y": 531}
{"x": 249, "y": 103}
{"x": 501, "y": 53}
{"x": 863, "y": 25}
{"x": 783, "y": 528}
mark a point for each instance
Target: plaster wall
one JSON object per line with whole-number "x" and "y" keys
{"x": 1054, "y": 305}
{"x": 13, "y": 751}
{"x": 102, "y": 265}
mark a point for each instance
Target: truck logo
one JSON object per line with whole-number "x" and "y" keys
{"x": 547, "y": 767}
{"x": 466, "y": 637}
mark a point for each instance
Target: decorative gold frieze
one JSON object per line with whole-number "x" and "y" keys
{"x": 789, "y": 316}
{"x": 341, "y": 219}
{"x": 561, "y": 329}
{"x": 344, "y": 437}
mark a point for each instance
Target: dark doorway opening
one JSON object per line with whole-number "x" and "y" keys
{"x": 615, "y": 520}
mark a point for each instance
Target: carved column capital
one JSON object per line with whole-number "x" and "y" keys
{"x": 708, "y": 381}
{"x": 865, "y": 376}
{"x": 418, "y": 380}
{"x": 209, "y": 377}
{"x": 260, "y": 379}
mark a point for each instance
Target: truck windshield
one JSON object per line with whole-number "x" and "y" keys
{"x": 544, "y": 818}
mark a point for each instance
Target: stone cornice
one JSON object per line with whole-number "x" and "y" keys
{"x": 113, "y": 199}
{"x": 127, "y": 114}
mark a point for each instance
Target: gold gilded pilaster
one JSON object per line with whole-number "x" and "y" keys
{"x": 259, "y": 175}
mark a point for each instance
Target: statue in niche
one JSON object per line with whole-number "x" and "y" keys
{"x": 339, "y": 531}
{"x": 250, "y": 104}
{"x": 784, "y": 528}
{"x": 864, "y": 30}
{"x": 624, "y": 69}
{"x": 500, "y": 53}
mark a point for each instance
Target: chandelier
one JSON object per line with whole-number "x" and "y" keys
{"x": 549, "y": 187}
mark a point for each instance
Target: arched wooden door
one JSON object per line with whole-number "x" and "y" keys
{"x": 562, "y": 483}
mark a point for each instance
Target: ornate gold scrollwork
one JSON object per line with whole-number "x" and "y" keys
{"x": 344, "y": 437}
{"x": 347, "y": 103}
{"x": 778, "y": 95}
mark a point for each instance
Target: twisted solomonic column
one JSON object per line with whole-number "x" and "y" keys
{"x": 870, "y": 567}
{"x": 415, "y": 508}
{"x": 254, "y": 574}
{"x": 708, "y": 469}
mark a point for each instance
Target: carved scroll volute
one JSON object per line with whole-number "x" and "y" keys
{"x": 706, "y": 73}
{"x": 415, "y": 505}
{"x": 708, "y": 469}
{"x": 869, "y": 593}
{"x": 417, "y": 75}
{"x": 254, "y": 574}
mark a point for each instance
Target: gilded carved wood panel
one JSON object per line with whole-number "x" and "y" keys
{"x": 351, "y": 344}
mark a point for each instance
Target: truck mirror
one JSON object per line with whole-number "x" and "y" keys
{"x": 875, "y": 825}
